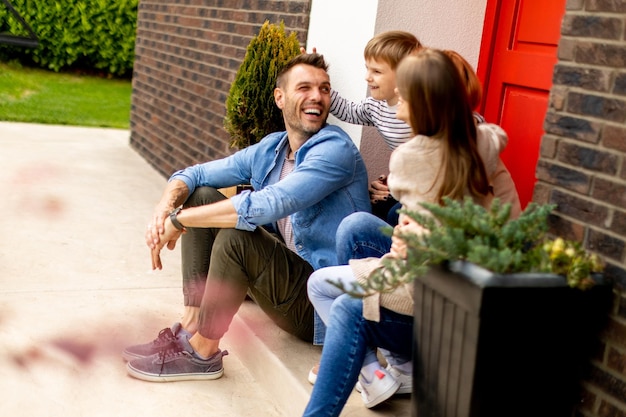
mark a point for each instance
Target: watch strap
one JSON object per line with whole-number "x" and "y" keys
{"x": 178, "y": 225}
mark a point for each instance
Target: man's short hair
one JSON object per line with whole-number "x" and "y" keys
{"x": 314, "y": 60}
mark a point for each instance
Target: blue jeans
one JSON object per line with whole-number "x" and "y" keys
{"x": 323, "y": 294}
{"x": 348, "y": 338}
{"x": 359, "y": 235}
{"x": 387, "y": 210}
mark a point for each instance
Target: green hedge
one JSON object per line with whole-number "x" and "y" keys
{"x": 94, "y": 35}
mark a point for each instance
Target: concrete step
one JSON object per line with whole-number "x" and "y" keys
{"x": 280, "y": 363}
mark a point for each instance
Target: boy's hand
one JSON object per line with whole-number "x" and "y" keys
{"x": 303, "y": 51}
{"x": 379, "y": 190}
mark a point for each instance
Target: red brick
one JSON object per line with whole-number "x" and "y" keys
{"x": 607, "y": 409}
{"x": 614, "y": 137}
{"x": 615, "y": 333}
{"x": 588, "y": 158}
{"x": 593, "y": 26}
{"x": 616, "y": 361}
{"x": 581, "y": 209}
{"x": 605, "y": 245}
{"x": 610, "y": 192}
{"x": 186, "y": 57}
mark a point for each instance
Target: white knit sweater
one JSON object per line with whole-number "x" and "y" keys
{"x": 413, "y": 170}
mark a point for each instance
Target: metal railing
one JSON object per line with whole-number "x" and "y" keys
{"x": 30, "y": 41}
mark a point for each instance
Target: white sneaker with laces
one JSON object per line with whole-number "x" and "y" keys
{"x": 381, "y": 387}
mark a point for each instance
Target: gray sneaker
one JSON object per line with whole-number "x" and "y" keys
{"x": 165, "y": 338}
{"x": 177, "y": 362}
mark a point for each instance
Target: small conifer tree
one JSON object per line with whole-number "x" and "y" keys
{"x": 251, "y": 112}
{"x": 466, "y": 231}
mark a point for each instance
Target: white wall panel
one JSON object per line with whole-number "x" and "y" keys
{"x": 445, "y": 24}
{"x": 339, "y": 29}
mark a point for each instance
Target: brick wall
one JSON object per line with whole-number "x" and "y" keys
{"x": 582, "y": 168}
{"x": 187, "y": 54}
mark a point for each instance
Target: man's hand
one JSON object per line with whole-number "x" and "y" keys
{"x": 157, "y": 226}
{"x": 175, "y": 194}
{"x": 168, "y": 238}
{"x": 378, "y": 190}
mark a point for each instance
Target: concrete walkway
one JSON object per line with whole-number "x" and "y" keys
{"x": 76, "y": 284}
{"x": 76, "y": 287}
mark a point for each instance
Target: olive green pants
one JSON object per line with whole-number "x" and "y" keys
{"x": 221, "y": 266}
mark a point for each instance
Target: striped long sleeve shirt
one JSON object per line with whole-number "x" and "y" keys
{"x": 371, "y": 112}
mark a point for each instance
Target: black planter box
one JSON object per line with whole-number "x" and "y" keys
{"x": 488, "y": 345}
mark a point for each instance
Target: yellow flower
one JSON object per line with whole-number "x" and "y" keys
{"x": 559, "y": 245}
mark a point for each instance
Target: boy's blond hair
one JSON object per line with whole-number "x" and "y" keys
{"x": 391, "y": 47}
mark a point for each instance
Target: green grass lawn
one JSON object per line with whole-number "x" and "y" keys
{"x": 39, "y": 96}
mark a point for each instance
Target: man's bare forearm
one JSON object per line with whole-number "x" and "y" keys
{"x": 175, "y": 194}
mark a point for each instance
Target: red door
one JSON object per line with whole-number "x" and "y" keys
{"x": 516, "y": 64}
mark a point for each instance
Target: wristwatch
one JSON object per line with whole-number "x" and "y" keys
{"x": 178, "y": 225}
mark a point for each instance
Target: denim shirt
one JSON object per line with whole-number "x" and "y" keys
{"x": 329, "y": 182}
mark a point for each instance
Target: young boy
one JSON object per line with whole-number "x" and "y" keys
{"x": 382, "y": 55}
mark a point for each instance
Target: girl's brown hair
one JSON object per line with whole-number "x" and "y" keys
{"x": 472, "y": 83}
{"x": 439, "y": 107}
{"x": 391, "y": 47}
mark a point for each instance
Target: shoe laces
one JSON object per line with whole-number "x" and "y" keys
{"x": 169, "y": 352}
{"x": 164, "y": 336}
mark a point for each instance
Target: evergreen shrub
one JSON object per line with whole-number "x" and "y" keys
{"x": 251, "y": 112}
{"x": 489, "y": 238}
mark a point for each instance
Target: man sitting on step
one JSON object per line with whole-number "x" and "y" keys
{"x": 265, "y": 242}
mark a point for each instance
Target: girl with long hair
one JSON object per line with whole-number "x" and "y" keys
{"x": 447, "y": 157}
